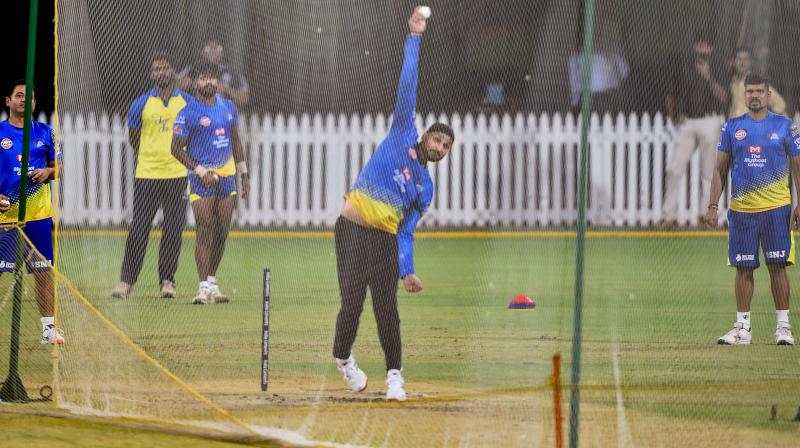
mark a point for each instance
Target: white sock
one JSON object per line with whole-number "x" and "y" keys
{"x": 743, "y": 318}
{"x": 50, "y": 320}
{"x": 783, "y": 317}
{"x": 203, "y": 285}
{"x": 212, "y": 280}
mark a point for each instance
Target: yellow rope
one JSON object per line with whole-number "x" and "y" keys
{"x": 114, "y": 329}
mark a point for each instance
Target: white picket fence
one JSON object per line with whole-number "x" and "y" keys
{"x": 503, "y": 171}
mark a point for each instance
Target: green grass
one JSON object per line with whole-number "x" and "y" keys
{"x": 660, "y": 303}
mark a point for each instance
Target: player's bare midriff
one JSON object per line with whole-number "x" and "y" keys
{"x": 350, "y": 213}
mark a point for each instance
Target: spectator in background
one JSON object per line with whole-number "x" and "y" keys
{"x": 232, "y": 84}
{"x": 609, "y": 71}
{"x": 694, "y": 104}
{"x": 493, "y": 100}
{"x": 742, "y": 65}
{"x": 610, "y": 68}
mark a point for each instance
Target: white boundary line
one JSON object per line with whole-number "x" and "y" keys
{"x": 623, "y": 432}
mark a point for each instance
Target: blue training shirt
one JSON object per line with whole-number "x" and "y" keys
{"x": 43, "y": 149}
{"x": 760, "y": 152}
{"x": 209, "y": 129}
{"x": 394, "y": 189}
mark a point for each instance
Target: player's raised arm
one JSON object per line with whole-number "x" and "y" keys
{"x": 405, "y": 107}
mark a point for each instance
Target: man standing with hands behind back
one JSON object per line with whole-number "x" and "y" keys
{"x": 758, "y": 148}
{"x": 160, "y": 180}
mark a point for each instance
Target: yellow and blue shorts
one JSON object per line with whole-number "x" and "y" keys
{"x": 770, "y": 229}
{"x": 224, "y": 188}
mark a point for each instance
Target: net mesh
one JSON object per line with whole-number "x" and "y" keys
{"x": 315, "y": 85}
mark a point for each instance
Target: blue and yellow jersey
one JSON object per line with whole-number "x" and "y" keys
{"x": 43, "y": 149}
{"x": 208, "y": 128}
{"x": 760, "y": 152}
{"x": 154, "y": 120}
{"x": 394, "y": 189}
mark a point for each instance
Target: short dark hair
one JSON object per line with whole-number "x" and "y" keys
{"x": 755, "y": 78}
{"x": 204, "y": 67}
{"x": 443, "y": 128}
{"x": 161, "y": 56}
{"x": 19, "y": 82}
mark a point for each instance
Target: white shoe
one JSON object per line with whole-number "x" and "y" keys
{"x": 216, "y": 295}
{"x": 783, "y": 335}
{"x": 738, "y": 336}
{"x": 51, "y": 335}
{"x": 203, "y": 297}
{"x": 394, "y": 386}
{"x": 354, "y": 376}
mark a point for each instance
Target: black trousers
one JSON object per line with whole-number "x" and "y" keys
{"x": 148, "y": 196}
{"x": 367, "y": 257}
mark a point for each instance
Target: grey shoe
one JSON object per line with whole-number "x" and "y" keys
{"x": 121, "y": 291}
{"x": 168, "y": 289}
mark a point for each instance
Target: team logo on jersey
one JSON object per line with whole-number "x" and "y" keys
{"x": 412, "y": 153}
{"x": 19, "y": 158}
{"x": 220, "y": 132}
{"x": 6, "y": 143}
{"x": 774, "y": 136}
{"x": 740, "y": 134}
{"x": 39, "y": 143}
{"x": 407, "y": 174}
{"x": 755, "y": 149}
{"x": 230, "y": 117}
{"x": 177, "y": 130}
{"x": 400, "y": 180}
{"x": 205, "y": 122}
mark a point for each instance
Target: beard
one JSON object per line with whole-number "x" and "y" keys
{"x": 207, "y": 91}
{"x": 163, "y": 81}
{"x": 755, "y": 106}
{"x": 433, "y": 156}
{"x": 427, "y": 155}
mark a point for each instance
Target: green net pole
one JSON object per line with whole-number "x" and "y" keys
{"x": 577, "y": 324}
{"x": 13, "y": 389}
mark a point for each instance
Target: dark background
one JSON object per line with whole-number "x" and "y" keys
{"x": 344, "y": 55}
{"x": 15, "y": 19}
